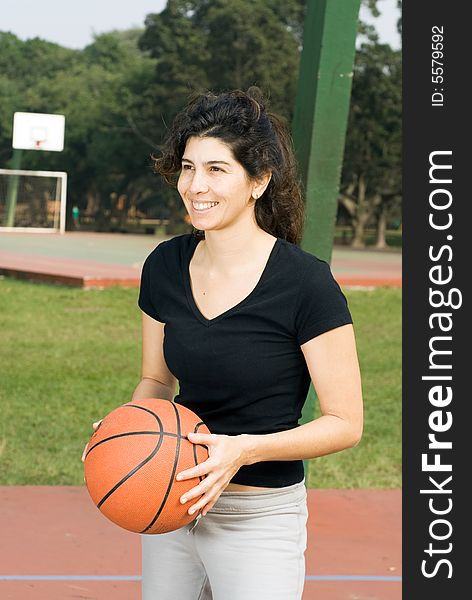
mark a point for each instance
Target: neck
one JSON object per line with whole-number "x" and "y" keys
{"x": 230, "y": 251}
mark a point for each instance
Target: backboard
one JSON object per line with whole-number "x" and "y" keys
{"x": 38, "y": 131}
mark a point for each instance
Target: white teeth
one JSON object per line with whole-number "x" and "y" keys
{"x": 203, "y": 205}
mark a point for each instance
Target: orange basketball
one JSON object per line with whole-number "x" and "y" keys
{"x": 132, "y": 460}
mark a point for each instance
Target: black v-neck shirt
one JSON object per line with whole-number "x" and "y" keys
{"x": 243, "y": 371}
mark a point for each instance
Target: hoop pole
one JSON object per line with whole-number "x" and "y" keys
{"x": 57, "y": 205}
{"x": 321, "y": 114}
{"x": 12, "y": 191}
{"x": 62, "y": 225}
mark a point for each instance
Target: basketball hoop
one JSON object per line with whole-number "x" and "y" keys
{"x": 38, "y": 136}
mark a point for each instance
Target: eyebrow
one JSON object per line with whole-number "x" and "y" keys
{"x": 209, "y": 162}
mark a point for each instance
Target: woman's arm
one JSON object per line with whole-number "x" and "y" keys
{"x": 156, "y": 379}
{"x": 334, "y": 369}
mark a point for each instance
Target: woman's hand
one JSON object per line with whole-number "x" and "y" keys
{"x": 95, "y": 426}
{"x": 226, "y": 456}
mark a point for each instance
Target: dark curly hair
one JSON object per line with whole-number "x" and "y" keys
{"x": 260, "y": 142}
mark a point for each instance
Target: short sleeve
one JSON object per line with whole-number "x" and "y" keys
{"x": 320, "y": 304}
{"x": 146, "y": 299}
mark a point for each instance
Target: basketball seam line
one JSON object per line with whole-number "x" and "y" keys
{"x": 146, "y": 460}
{"x": 176, "y": 460}
{"x": 118, "y": 435}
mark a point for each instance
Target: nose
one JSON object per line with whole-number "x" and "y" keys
{"x": 198, "y": 183}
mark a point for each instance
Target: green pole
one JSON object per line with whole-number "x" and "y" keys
{"x": 12, "y": 190}
{"x": 321, "y": 113}
{"x": 320, "y": 122}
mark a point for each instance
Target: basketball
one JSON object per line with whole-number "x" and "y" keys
{"x": 132, "y": 460}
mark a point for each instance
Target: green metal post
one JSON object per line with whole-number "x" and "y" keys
{"x": 319, "y": 124}
{"x": 321, "y": 112}
{"x": 12, "y": 190}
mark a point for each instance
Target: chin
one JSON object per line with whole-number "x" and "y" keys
{"x": 204, "y": 225}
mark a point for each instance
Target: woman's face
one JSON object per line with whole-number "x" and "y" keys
{"x": 214, "y": 187}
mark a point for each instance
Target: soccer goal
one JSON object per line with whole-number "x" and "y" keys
{"x": 33, "y": 201}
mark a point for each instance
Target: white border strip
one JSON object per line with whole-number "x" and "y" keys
{"x": 138, "y": 578}
{"x": 35, "y": 173}
{"x": 29, "y": 229}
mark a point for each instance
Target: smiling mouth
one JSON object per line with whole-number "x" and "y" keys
{"x": 203, "y": 206}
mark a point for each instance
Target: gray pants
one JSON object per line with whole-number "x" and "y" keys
{"x": 249, "y": 546}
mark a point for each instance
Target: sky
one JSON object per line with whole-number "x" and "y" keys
{"x": 73, "y": 24}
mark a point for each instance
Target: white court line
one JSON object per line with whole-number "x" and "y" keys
{"x": 138, "y": 578}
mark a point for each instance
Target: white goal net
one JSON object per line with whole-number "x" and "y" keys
{"x": 33, "y": 201}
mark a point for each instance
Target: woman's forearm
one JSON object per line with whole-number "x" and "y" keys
{"x": 324, "y": 435}
{"x": 150, "y": 388}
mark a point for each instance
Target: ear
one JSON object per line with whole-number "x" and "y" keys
{"x": 260, "y": 185}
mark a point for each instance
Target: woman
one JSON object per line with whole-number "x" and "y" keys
{"x": 243, "y": 319}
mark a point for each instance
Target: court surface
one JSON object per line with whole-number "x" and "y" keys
{"x": 56, "y": 545}
{"x": 102, "y": 259}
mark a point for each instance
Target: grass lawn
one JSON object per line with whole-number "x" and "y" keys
{"x": 69, "y": 356}
{"x": 393, "y": 237}
{"x": 376, "y": 461}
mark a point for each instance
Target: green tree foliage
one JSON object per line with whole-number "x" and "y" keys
{"x": 106, "y": 154}
{"x": 22, "y": 64}
{"x": 9, "y": 94}
{"x": 371, "y": 177}
{"x": 224, "y": 44}
{"x": 25, "y": 61}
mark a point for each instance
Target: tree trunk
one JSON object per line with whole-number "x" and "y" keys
{"x": 381, "y": 243}
{"x": 358, "y": 227}
{"x": 362, "y": 216}
{"x": 93, "y": 203}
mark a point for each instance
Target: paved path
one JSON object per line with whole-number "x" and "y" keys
{"x": 55, "y": 545}
{"x": 101, "y": 259}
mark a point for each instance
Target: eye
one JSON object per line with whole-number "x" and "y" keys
{"x": 216, "y": 168}
{"x": 186, "y": 167}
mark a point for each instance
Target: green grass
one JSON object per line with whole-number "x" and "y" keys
{"x": 376, "y": 460}
{"x": 393, "y": 237}
{"x": 69, "y": 356}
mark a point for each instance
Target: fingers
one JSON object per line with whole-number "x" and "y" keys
{"x": 84, "y": 452}
{"x": 204, "y": 503}
{"x": 95, "y": 426}
{"x": 195, "y": 492}
{"x": 202, "y": 493}
{"x": 203, "y": 506}
{"x": 203, "y": 468}
{"x": 198, "y": 471}
{"x": 201, "y": 438}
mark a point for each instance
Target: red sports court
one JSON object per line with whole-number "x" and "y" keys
{"x": 104, "y": 259}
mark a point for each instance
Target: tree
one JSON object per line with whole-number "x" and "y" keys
{"x": 219, "y": 45}
{"x": 371, "y": 177}
{"x": 104, "y": 149}
{"x": 26, "y": 61}
{"x": 10, "y": 95}
{"x": 21, "y": 65}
